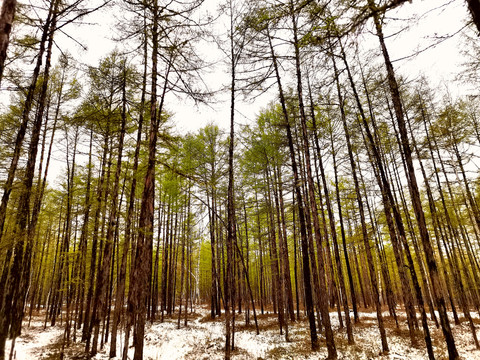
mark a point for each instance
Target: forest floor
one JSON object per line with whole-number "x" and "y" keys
{"x": 203, "y": 339}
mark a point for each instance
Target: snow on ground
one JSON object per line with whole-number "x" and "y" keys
{"x": 203, "y": 339}
{"x": 35, "y": 341}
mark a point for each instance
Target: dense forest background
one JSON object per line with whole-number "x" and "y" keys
{"x": 353, "y": 186}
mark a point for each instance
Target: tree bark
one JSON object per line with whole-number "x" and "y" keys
{"x": 414, "y": 192}
{"x": 301, "y": 214}
{"x": 7, "y": 16}
{"x": 370, "y": 263}
{"x": 13, "y": 299}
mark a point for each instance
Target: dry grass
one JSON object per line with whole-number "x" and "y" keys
{"x": 191, "y": 316}
{"x": 299, "y": 346}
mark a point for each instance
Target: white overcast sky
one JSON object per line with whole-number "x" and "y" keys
{"x": 432, "y": 21}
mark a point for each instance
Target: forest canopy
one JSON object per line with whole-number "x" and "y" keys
{"x": 274, "y": 166}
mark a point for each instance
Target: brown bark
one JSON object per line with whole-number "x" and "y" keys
{"x": 301, "y": 214}
{"x": 370, "y": 262}
{"x": 120, "y": 291}
{"x": 142, "y": 268}
{"x": 313, "y": 204}
{"x": 185, "y": 236}
{"x": 93, "y": 258}
{"x": 277, "y": 278}
{"x": 13, "y": 299}
{"x": 390, "y": 207}
{"x": 7, "y": 188}
{"x": 342, "y": 231}
{"x": 415, "y": 194}
{"x": 231, "y": 226}
{"x": 283, "y": 244}
{"x": 102, "y": 280}
{"x": 7, "y": 16}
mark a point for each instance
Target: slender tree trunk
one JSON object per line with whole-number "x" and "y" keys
{"x": 7, "y": 16}
{"x": 13, "y": 300}
{"x": 342, "y": 231}
{"x": 370, "y": 262}
{"x": 186, "y": 232}
{"x": 7, "y": 188}
{"x": 108, "y": 251}
{"x": 231, "y": 226}
{"x": 414, "y": 192}
{"x": 65, "y": 261}
{"x": 303, "y": 231}
{"x": 313, "y": 204}
{"x": 142, "y": 268}
{"x": 93, "y": 257}
{"x": 391, "y": 207}
{"x": 274, "y": 259}
{"x": 284, "y": 246}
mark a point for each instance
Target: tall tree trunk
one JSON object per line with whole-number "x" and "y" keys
{"x": 277, "y": 281}
{"x": 284, "y": 245}
{"x": 231, "y": 226}
{"x": 27, "y": 107}
{"x": 342, "y": 229}
{"x": 93, "y": 258}
{"x": 120, "y": 291}
{"x": 64, "y": 269}
{"x": 414, "y": 192}
{"x": 313, "y": 204}
{"x": 142, "y": 268}
{"x": 102, "y": 280}
{"x": 13, "y": 299}
{"x": 370, "y": 263}
{"x": 390, "y": 208}
{"x": 7, "y": 16}
{"x": 303, "y": 230}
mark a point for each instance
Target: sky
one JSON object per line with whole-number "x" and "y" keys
{"x": 187, "y": 116}
{"x": 433, "y": 22}
{"x": 430, "y": 23}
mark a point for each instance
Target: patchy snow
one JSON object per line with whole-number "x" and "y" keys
{"x": 35, "y": 341}
{"x": 204, "y": 339}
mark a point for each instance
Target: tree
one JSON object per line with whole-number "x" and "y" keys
{"x": 474, "y": 7}
{"x": 7, "y": 16}
{"x": 13, "y": 299}
{"x": 414, "y": 192}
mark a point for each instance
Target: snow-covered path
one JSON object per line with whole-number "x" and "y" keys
{"x": 35, "y": 341}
